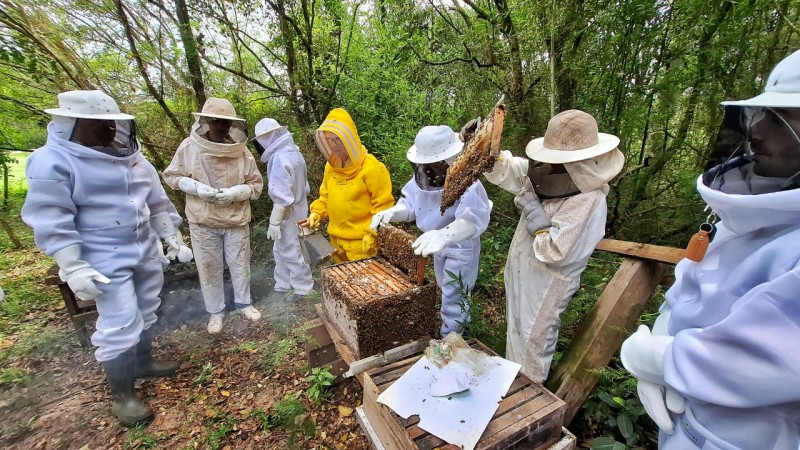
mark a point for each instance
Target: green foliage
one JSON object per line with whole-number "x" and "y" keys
{"x": 615, "y": 412}
{"x": 221, "y": 425}
{"x": 11, "y": 375}
{"x": 273, "y": 355}
{"x": 285, "y": 412}
{"x": 139, "y": 439}
{"x": 289, "y": 414}
{"x": 206, "y": 373}
{"x": 321, "y": 379}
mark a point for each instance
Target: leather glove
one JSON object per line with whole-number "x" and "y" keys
{"x": 396, "y": 212}
{"x": 162, "y": 224}
{"x": 435, "y": 240}
{"x": 469, "y": 129}
{"x": 368, "y": 243}
{"x": 238, "y": 193}
{"x": 312, "y": 222}
{"x": 194, "y": 187}
{"x": 183, "y": 253}
{"x": 78, "y": 274}
{"x": 643, "y": 355}
{"x": 275, "y": 221}
{"x": 528, "y": 202}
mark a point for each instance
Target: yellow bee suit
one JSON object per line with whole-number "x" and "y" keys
{"x": 350, "y": 196}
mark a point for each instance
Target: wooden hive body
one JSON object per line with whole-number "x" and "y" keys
{"x": 529, "y": 416}
{"x": 373, "y": 303}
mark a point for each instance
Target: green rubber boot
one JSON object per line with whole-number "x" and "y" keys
{"x": 120, "y": 375}
{"x": 146, "y": 366}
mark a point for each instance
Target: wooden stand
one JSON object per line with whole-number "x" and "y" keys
{"x": 528, "y": 417}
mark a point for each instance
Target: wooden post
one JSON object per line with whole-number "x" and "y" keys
{"x": 603, "y": 331}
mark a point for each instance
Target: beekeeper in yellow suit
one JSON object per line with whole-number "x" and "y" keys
{"x": 355, "y": 187}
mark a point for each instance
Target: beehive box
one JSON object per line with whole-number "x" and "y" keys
{"x": 528, "y": 417}
{"x": 374, "y": 304}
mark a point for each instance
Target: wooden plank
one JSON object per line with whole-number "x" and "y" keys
{"x": 603, "y": 331}
{"x": 320, "y": 356}
{"x": 319, "y": 334}
{"x": 508, "y": 429}
{"x": 341, "y": 346}
{"x": 390, "y": 432}
{"x": 567, "y": 441}
{"x": 668, "y": 255}
{"x": 368, "y": 429}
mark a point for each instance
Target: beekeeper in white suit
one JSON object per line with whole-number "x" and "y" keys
{"x": 92, "y": 202}
{"x": 561, "y": 192}
{"x": 453, "y": 237}
{"x": 721, "y": 370}
{"x": 287, "y": 186}
{"x": 219, "y": 176}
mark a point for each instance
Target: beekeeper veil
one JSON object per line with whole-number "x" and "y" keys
{"x": 93, "y": 119}
{"x": 218, "y": 122}
{"x": 572, "y": 157}
{"x": 434, "y": 150}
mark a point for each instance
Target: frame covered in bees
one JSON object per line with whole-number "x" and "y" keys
{"x": 481, "y": 149}
{"x": 380, "y": 303}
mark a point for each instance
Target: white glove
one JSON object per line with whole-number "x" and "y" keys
{"x": 275, "y": 221}
{"x": 183, "y": 253}
{"x": 397, "y": 213}
{"x": 163, "y": 226}
{"x": 435, "y": 240}
{"x": 79, "y": 275}
{"x": 194, "y": 187}
{"x": 658, "y": 399}
{"x": 237, "y": 193}
{"x": 643, "y": 355}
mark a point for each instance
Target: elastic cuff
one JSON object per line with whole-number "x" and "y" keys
{"x": 242, "y": 305}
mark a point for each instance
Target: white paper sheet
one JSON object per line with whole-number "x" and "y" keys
{"x": 459, "y": 418}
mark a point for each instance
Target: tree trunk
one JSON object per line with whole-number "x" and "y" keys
{"x": 190, "y": 47}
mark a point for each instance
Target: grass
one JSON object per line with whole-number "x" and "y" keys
{"x": 273, "y": 355}
{"x": 140, "y": 439}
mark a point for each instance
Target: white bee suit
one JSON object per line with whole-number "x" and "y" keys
{"x": 461, "y": 258}
{"x": 543, "y": 272}
{"x": 220, "y": 232}
{"x": 287, "y": 186}
{"x": 103, "y": 204}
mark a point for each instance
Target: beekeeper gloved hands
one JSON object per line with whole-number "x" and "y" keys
{"x": 194, "y": 187}
{"x": 536, "y": 219}
{"x": 395, "y": 213}
{"x": 435, "y": 240}
{"x": 183, "y": 252}
{"x": 312, "y": 221}
{"x": 643, "y": 355}
{"x": 238, "y": 193}
{"x": 659, "y": 399}
{"x": 78, "y": 274}
{"x": 275, "y": 221}
{"x": 163, "y": 226}
{"x": 469, "y": 129}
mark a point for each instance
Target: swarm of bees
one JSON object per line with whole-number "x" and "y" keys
{"x": 481, "y": 149}
{"x": 394, "y": 244}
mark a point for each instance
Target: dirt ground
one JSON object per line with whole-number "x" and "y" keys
{"x": 242, "y": 389}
